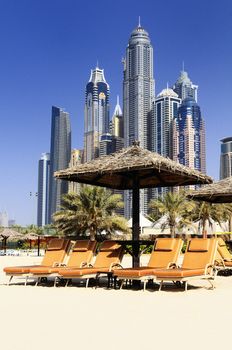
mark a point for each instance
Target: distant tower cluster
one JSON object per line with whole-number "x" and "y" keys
{"x": 60, "y": 153}
{"x": 226, "y": 158}
{"x": 4, "y": 221}
{"x": 170, "y": 124}
{"x": 43, "y": 190}
{"x": 96, "y": 113}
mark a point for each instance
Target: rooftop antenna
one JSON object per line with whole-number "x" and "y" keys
{"x": 183, "y": 66}
{"x": 97, "y": 64}
{"x": 117, "y": 100}
{"x": 139, "y": 23}
{"x": 167, "y": 85}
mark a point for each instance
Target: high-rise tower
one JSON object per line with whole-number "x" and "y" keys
{"x": 43, "y": 189}
{"x": 189, "y": 136}
{"x": 60, "y": 154}
{"x": 226, "y": 158}
{"x": 138, "y": 98}
{"x": 184, "y": 87}
{"x": 96, "y": 113}
{"x": 166, "y": 109}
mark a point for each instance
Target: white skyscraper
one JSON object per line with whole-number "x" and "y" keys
{"x": 138, "y": 98}
{"x": 43, "y": 189}
{"x": 96, "y": 113}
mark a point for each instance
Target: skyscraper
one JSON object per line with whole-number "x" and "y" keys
{"x": 189, "y": 136}
{"x": 184, "y": 87}
{"x": 166, "y": 109}
{"x": 60, "y": 154}
{"x": 76, "y": 158}
{"x": 96, "y": 113}
{"x": 226, "y": 158}
{"x": 138, "y": 98}
{"x": 43, "y": 189}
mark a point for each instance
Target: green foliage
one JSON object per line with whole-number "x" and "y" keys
{"x": 176, "y": 208}
{"x": 92, "y": 211}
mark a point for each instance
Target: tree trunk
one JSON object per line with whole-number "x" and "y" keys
{"x": 172, "y": 231}
{"x": 204, "y": 233}
{"x": 92, "y": 234}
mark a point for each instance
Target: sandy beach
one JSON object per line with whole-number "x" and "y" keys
{"x": 44, "y": 317}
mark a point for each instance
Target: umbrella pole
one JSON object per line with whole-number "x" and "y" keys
{"x": 135, "y": 221}
{"x": 38, "y": 246}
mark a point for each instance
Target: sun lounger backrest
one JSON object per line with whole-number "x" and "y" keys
{"x": 199, "y": 253}
{"x": 110, "y": 252}
{"x": 82, "y": 252}
{"x": 223, "y": 250}
{"x": 56, "y": 251}
{"x": 165, "y": 251}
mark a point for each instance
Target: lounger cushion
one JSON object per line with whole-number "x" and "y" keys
{"x": 69, "y": 273}
{"x": 57, "y": 244}
{"x": 134, "y": 272}
{"x": 44, "y": 270}
{"x": 164, "y": 245}
{"x": 81, "y": 246}
{"x": 172, "y": 273}
{"x": 198, "y": 245}
{"x": 228, "y": 263}
{"x": 17, "y": 269}
{"x": 109, "y": 245}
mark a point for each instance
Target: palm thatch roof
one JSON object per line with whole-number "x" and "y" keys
{"x": 12, "y": 234}
{"x": 217, "y": 192}
{"x": 31, "y": 236}
{"x": 117, "y": 171}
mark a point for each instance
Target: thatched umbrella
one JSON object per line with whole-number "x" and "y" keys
{"x": 8, "y": 233}
{"x": 131, "y": 169}
{"x": 217, "y": 192}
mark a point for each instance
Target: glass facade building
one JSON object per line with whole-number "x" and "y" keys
{"x": 189, "y": 136}
{"x": 184, "y": 87}
{"x": 226, "y": 158}
{"x": 60, "y": 154}
{"x": 97, "y": 109}
{"x": 43, "y": 190}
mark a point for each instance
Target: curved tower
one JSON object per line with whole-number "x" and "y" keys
{"x": 184, "y": 87}
{"x": 189, "y": 136}
{"x": 96, "y": 113}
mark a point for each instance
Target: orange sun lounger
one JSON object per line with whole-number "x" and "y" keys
{"x": 198, "y": 263}
{"x": 55, "y": 254}
{"x": 80, "y": 256}
{"x": 166, "y": 252}
{"x": 224, "y": 258}
{"x": 108, "y": 258}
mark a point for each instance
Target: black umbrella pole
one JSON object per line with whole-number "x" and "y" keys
{"x": 135, "y": 223}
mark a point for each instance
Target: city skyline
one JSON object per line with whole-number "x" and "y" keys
{"x": 38, "y": 77}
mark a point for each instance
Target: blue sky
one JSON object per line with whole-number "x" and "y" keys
{"x": 48, "y": 48}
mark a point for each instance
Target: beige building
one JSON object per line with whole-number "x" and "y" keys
{"x": 76, "y": 158}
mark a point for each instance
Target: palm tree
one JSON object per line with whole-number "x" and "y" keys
{"x": 92, "y": 210}
{"x": 208, "y": 212}
{"x": 176, "y": 207}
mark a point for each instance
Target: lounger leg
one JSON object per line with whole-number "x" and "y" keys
{"x": 55, "y": 280}
{"x": 144, "y": 285}
{"x": 211, "y": 284}
{"x": 67, "y": 282}
{"x": 185, "y": 286}
{"x": 10, "y": 280}
{"x": 26, "y": 278}
{"x": 38, "y": 280}
{"x": 87, "y": 282}
{"x": 161, "y": 285}
{"x": 122, "y": 283}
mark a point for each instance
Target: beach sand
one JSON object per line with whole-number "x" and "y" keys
{"x": 44, "y": 317}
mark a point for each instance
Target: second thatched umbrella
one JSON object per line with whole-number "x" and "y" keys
{"x": 10, "y": 234}
{"x": 133, "y": 168}
{"x": 217, "y": 192}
